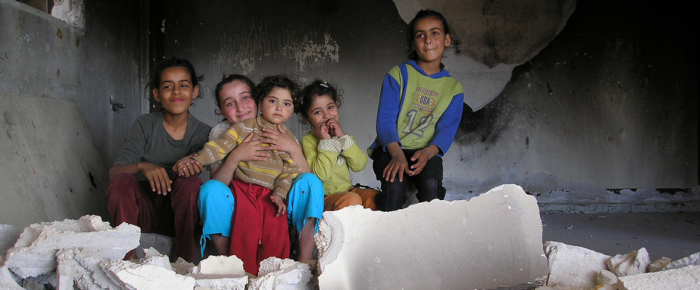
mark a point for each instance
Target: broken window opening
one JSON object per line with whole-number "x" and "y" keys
{"x": 70, "y": 11}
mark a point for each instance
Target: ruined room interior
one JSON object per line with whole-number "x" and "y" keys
{"x": 591, "y": 107}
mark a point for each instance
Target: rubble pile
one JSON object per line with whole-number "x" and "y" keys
{"x": 88, "y": 254}
{"x": 573, "y": 268}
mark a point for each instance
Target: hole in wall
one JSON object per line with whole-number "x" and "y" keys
{"x": 70, "y": 11}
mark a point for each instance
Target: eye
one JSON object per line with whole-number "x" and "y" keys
{"x": 229, "y": 104}
{"x": 287, "y": 104}
{"x": 331, "y": 107}
{"x": 245, "y": 98}
{"x": 436, "y": 33}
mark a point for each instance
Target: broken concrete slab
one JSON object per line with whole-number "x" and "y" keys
{"x": 681, "y": 278}
{"x": 220, "y": 282}
{"x": 276, "y": 273}
{"x": 629, "y": 264}
{"x": 490, "y": 241}
{"x": 130, "y": 275}
{"x": 220, "y": 265}
{"x": 81, "y": 268}
{"x": 693, "y": 260}
{"x": 35, "y": 251}
{"x": 573, "y": 267}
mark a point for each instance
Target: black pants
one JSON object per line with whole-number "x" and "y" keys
{"x": 393, "y": 195}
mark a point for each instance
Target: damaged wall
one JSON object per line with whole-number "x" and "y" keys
{"x": 44, "y": 56}
{"x": 610, "y": 102}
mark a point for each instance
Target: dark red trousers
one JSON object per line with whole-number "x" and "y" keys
{"x": 256, "y": 232}
{"x": 174, "y": 214}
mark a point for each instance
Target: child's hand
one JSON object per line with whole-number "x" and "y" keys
{"x": 248, "y": 151}
{"x": 157, "y": 177}
{"x": 398, "y": 164}
{"x": 281, "y": 205}
{"x": 187, "y": 166}
{"x": 321, "y": 131}
{"x": 334, "y": 128}
{"x": 421, "y": 157}
{"x": 279, "y": 140}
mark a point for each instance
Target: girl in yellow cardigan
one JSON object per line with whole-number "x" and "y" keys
{"x": 331, "y": 152}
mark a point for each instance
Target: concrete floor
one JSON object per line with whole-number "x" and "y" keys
{"x": 672, "y": 235}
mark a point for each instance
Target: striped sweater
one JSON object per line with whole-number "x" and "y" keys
{"x": 277, "y": 172}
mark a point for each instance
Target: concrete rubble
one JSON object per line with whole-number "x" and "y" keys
{"x": 435, "y": 245}
{"x": 278, "y": 273}
{"x": 576, "y": 268}
{"x": 35, "y": 251}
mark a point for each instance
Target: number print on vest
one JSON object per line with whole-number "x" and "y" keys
{"x": 423, "y": 123}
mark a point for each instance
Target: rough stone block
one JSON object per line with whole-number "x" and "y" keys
{"x": 686, "y": 278}
{"x": 148, "y": 277}
{"x": 573, "y": 267}
{"x": 630, "y": 264}
{"x": 490, "y": 241}
{"x": 35, "y": 251}
{"x": 276, "y": 273}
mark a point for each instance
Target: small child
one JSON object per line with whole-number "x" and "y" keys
{"x": 259, "y": 230}
{"x": 420, "y": 108}
{"x": 331, "y": 152}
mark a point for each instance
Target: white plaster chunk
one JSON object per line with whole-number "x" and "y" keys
{"x": 630, "y": 264}
{"x": 492, "y": 240}
{"x": 573, "y": 267}
{"x": 276, "y": 273}
{"x": 686, "y": 278}
{"x": 81, "y": 267}
{"x": 220, "y": 282}
{"x": 692, "y": 260}
{"x": 7, "y": 282}
{"x": 8, "y": 236}
{"x": 220, "y": 265}
{"x": 150, "y": 252}
{"x": 135, "y": 276}
{"x": 659, "y": 264}
{"x": 35, "y": 251}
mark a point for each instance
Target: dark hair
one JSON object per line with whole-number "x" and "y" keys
{"x": 317, "y": 88}
{"x": 412, "y": 26}
{"x": 229, "y": 79}
{"x": 278, "y": 81}
{"x": 155, "y": 75}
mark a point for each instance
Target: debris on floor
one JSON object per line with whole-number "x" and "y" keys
{"x": 491, "y": 241}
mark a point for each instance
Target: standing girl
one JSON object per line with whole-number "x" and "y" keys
{"x": 331, "y": 152}
{"x": 420, "y": 108}
{"x": 144, "y": 190}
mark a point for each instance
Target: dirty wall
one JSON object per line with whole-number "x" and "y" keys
{"x": 610, "y": 102}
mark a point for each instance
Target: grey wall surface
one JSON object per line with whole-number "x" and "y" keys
{"x": 44, "y": 56}
{"x": 611, "y": 102}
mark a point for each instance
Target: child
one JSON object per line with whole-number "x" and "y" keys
{"x": 331, "y": 152}
{"x": 259, "y": 229}
{"x": 420, "y": 108}
{"x": 143, "y": 190}
{"x": 235, "y": 97}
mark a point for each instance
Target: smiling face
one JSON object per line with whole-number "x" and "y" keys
{"x": 236, "y": 102}
{"x": 430, "y": 41}
{"x": 277, "y": 106}
{"x": 322, "y": 109}
{"x": 175, "y": 91}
